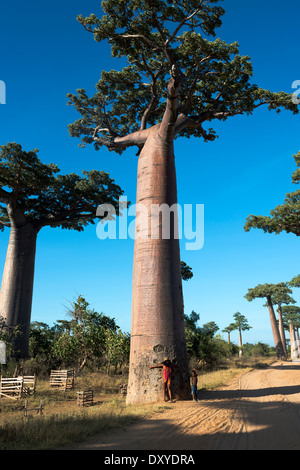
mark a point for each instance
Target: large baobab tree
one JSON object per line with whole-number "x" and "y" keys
{"x": 33, "y": 196}
{"x": 177, "y": 79}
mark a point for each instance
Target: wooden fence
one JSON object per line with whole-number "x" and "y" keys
{"x": 86, "y": 397}
{"x": 39, "y": 409}
{"x": 29, "y": 385}
{"x": 62, "y": 379}
{"x": 17, "y": 387}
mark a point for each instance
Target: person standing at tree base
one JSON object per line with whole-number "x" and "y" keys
{"x": 194, "y": 385}
{"x": 167, "y": 368}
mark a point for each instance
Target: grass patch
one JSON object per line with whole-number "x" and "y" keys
{"x": 218, "y": 378}
{"x": 63, "y": 421}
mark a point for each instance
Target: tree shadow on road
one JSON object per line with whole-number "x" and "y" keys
{"x": 255, "y": 393}
{"x": 249, "y": 425}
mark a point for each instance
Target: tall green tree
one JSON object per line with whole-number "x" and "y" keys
{"x": 241, "y": 324}
{"x": 87, "y": 335}
{"x": 177, "y": 80}
{"x": 285, "y": 217}
{"x": 117, "y": 348}
{"x": 34, "y": 195}
{"x": 265, "y": 291}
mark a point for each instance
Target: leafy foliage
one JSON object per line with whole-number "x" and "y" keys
{"x": 36, "y": 192}
{"x": 270, "y": 291}
{"x": 86, "y": 335}
{"x": 162, "y": 40}
{"x": 202, "y": 342}
{"x": 295, "y": 282}
{"x": 285, "y": 217}
{"x": 291, "y": 314}
{"x": 186, "y": 271}
{"x": 8, "y": 335}
{"x": 88, "y": 339}
{"x": 241, "y": 322}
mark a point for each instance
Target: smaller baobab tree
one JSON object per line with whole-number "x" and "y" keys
{"x": 265, "y": 291}
{"x": 241, "y": 324}
{"x": 281, "y": 296}
{"x": 291, "y": 316}
{"x": 228, "y": 330}
{"x": 32, "y": 196}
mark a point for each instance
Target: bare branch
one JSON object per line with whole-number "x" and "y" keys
{"x": 6, "y": 224}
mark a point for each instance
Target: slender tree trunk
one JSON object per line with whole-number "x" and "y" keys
{"x": 157, "y": 329}
{"x": 240, "y": 343}
{"x": 17, "y": 283}
{"x": 298, "y": 343}
{"x": 281, "y": 330}
{"x": 275, "y": 330}
{"x": 293, "y": 341}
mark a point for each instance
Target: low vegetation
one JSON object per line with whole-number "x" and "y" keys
{"x": 92, "y": 344}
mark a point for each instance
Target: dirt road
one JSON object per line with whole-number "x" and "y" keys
{"x": 259, "y": 410}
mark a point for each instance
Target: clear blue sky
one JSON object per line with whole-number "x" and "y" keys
{"x": 45, "y": 54}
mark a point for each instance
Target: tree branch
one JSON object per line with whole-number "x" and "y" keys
{"x": 187, "y": 18}
{"x": 6, "y": 224}
{"x": 154, "y": 98}
{"x": 166, "y": 130}
{"x": 4, "y": 196}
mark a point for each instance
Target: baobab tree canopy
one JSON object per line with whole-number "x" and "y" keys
{"x": 34, "y": 191}
{"x": 169, "y": 55}
{"x": 285, "y": 217}
{"x": 269, "y": 290}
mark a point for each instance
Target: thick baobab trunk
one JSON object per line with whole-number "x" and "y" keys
{"x": 157, "y": 328}
{"x": 17, "y": 283}
{"x": 281, "y": 330}
{"x": 275, "y": 330}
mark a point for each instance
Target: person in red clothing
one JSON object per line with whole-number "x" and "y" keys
{"x": 167, "y": 367}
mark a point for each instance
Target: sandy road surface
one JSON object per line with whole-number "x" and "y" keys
{"x": 259, "y": 410}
